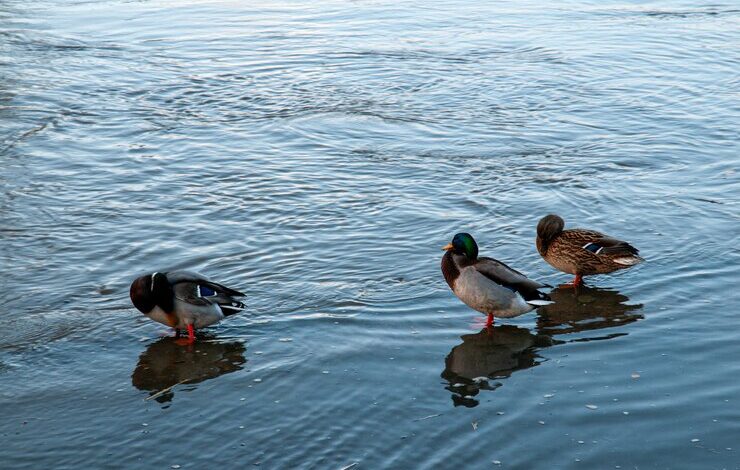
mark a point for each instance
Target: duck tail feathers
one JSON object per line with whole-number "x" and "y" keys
{"x": 539, "y": 300}
{"x": 232, "y": 308}
{"x": 628, "y": 260}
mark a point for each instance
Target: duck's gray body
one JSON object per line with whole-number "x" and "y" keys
{"x": 480, "y": 293}
{"x": 491, "y": 287}
{"x": 195, "y": 300}
{"x": 190, "y": 307}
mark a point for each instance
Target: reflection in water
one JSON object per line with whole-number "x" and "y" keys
{"x": 165, "y": 363}
{"x": 585, "y": 309}
{"x": 489, "y": 355}
{"x": 505, "y": 349}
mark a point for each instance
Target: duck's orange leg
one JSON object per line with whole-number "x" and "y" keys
{"x": 179, "y": 339}
{"x": 577, "y": 281}
{"x": 489, "y": 322}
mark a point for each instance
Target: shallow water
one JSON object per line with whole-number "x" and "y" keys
{"x": 317, "y": 156}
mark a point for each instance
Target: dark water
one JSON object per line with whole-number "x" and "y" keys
{"x": 316, "y": 156}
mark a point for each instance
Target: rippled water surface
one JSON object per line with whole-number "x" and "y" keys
{"x": 317, "y": 156}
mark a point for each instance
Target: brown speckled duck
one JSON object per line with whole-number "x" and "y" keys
{"x": 582, "y": 252}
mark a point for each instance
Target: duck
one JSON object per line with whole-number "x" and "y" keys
{"x": 184, "y": 300}
{"x": 582, "y": 252}
{"x": 488, "y": 285}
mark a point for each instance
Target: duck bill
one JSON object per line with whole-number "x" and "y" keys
{"x": 447, "y": 247}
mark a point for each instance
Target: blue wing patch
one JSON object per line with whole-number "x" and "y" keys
{"x": 205, "y": 291}
{"x": 592, "y": 247}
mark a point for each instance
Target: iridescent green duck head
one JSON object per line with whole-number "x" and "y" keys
{"x": 463, "y": 244}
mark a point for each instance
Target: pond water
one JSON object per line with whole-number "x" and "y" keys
{"x": 317, "y": 156}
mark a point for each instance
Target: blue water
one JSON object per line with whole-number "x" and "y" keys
{"x": 316, "y": 156}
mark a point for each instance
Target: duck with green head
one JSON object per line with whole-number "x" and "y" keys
{"x": 487, "y": 285}
{"x": 582, "y": 252}
{"x": 184, "y": 300}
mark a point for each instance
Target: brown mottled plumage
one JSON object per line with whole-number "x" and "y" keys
{"x": 582, "y": 252}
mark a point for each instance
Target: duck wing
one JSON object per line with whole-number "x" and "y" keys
{"x": 510, "y": 278}
{"x": 197, "y": 289}
{"x": 603, "y": 245}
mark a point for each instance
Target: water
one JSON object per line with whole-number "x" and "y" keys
{"x": 317, "y": 156}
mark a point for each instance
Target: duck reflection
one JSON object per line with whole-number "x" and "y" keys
{"x": 499, "y": 352}
{"x": 585, "y": 309}
{"x": 165, "y": 364}
{"x": 493, "y": 353}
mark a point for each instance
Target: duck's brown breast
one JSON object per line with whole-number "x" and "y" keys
{"x": 449, "y": 270}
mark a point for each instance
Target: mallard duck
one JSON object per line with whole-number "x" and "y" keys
{"x": 487, "y": 285}
{"x": 184, "y": 300}
{"x": 582, "y": 252}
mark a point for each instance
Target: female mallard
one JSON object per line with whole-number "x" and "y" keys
{"x": 184, "y": 300}
{"x": 582, "y": 252}
{"x": 487, "y": 285}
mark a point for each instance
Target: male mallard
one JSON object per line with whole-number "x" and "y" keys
{"x": 487, "y": 285}
{"x": 582, "y": 252}
{"x": 184, "y": 300}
